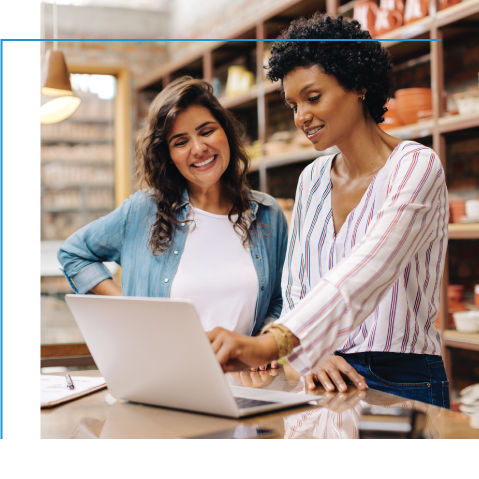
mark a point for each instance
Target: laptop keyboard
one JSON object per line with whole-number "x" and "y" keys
{"x": 245, "y": 403}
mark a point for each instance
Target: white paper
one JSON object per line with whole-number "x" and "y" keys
{"x": 54, "y": 388}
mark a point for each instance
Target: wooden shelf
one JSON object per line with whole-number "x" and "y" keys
{"x": 289, "y": 158}
{"x": 76, "y": 210}
{"x": 407, "y": 32}
{"x": 250, "y": 96}
{"x": 452, "y": 123}
{"x": 423, "y": 129}
{"x": 463, "y": 231}
{"x": 102, "y": 164}
{"x": 72, "y": 141}
{"x": 454, "y": 339}
{"x": 457, "y": 12}
{"x": 63, "y": 186}
{"x": 414, "y": 131}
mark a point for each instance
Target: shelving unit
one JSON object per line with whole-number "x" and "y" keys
{"x": 447, "y": 25}
{"x": 78, "y": 169}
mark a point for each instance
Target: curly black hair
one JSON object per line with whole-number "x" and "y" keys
{"x": 355, "y": 65}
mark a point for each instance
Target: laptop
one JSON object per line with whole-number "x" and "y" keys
{"x": 155, "y": 351}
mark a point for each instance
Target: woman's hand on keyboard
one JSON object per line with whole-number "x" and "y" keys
{"x": 237, "y": 352}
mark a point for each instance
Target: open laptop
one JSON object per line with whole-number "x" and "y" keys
{"x": 155, "y": 351}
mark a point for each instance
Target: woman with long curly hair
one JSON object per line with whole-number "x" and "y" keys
{"x": 197, "y": 230}
{"x": 365, "y": 260}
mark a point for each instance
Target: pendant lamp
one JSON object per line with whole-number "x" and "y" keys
{"x": 56, "y": 77}
{"x": 58, "y": 109}
{"x": 56, "y": 82}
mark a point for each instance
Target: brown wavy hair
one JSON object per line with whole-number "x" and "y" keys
{"x": 155, "y": 169}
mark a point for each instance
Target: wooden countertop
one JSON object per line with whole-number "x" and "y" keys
{"x": 336, "y": 415}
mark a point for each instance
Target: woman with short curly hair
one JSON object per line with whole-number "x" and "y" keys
{"x": 363, "y": 271}
{"x": 196, "y": 230}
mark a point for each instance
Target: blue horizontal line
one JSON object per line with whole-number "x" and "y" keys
{"x": 221, "y": 40}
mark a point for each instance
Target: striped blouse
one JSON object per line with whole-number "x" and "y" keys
{"x": 375, "y": 285}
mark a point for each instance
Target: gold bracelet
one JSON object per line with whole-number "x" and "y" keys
{"x": 283, "y": 336}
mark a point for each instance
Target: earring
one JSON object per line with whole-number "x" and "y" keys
{"x": 363, "y": 97}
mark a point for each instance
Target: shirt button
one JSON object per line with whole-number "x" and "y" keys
{"x": 183, "y": 224}
{"x": 262, "y": 288}
{"x": 166, "y": 280}
{"x": 257, "y": 256}
{"x": 175, "y": 252}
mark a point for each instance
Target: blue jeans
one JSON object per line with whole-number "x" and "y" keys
{"x": 420, "y": 377}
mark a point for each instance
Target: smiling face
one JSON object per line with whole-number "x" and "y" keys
{"x": 323, "y": 110}
{"x": 199, "y": 147}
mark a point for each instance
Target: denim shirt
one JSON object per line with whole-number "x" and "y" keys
{"x": 122, "y": 237}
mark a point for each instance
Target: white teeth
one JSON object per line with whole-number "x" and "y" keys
{"x": 204, "y": 163}
{"x": 312, "y": 132}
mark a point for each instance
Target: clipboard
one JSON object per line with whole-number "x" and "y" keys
{"x": 54, "y": 390}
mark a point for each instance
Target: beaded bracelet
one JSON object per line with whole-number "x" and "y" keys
{"x": 283, "y": 336}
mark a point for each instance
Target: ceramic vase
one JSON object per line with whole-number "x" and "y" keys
{"x": 365, "y": 13}
{"x": 415, "y": 9}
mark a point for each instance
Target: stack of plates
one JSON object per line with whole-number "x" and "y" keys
{"x": 470, "y": 404}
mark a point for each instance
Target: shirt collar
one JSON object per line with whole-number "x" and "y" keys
{"x": 254, "y": 197}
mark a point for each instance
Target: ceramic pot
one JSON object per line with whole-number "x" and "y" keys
{"x": 387, "y": 20}
{"x": 365, "y": 13}
{"x": 392, "y": 5}
{"x": 391, "y": 117}
{"x": 447, "y": 3}
{"x": 415, "y": 9}
{"x": 411, "y": 101}
{"x": 455, "y": 292}
{"x": 457, "y": 209}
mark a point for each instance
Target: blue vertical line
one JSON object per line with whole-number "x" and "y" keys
{"x": 1, "y": 239}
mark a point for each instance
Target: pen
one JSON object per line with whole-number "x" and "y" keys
{"x": 69, "y": 381}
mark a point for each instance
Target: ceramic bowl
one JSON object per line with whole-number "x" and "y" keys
{"x": 472, "y": 208}
{"x": 412, "y": 100}
{"x": 467, "y": 321}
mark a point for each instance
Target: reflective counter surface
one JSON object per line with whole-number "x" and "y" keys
{"x": 331, "y": 416}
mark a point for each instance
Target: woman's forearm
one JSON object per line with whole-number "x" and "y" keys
{"x": 107, "y": 288}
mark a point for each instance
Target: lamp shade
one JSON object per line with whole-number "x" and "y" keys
{"x": 58, "y": 109}
{"x": 56, "y": 76}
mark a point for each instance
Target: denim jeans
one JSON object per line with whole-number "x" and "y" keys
{"x": 420, "y": 377}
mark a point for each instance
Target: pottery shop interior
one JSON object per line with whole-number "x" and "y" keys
{"x": 119, "y": 55}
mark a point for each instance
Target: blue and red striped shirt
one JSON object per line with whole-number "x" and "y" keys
{"x": 375, "y": 285}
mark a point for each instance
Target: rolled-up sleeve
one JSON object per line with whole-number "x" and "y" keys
{"x": 83, "y": 253}
{"x": 345, "y": 296}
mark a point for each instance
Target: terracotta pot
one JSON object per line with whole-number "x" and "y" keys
{"x": 415, "y": 9}
{"x": 412, "y": 100}
{"x": 447, "y": 3}
{"x": 392, "y": 5}
{"x": 365, "y": 14}
{"x": 455, "y": 292}
{"x": 387, "y": 20}
{"x": 391, "y": 117}
{"x": 457, "y": 209}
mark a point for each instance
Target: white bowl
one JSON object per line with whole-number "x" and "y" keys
{"x": 472, "y": 208}
{"x": 467, "y": 321}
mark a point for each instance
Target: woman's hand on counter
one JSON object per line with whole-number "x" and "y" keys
{"x": 236, "y": 352}
{"x": 329, "y": 373}
{"x": 107, "y": 288}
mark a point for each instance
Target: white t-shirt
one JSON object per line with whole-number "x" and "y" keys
{"x": 216, "y": 272}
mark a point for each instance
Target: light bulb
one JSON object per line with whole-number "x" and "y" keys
{"x": 58, "y": 109}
